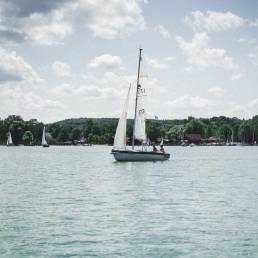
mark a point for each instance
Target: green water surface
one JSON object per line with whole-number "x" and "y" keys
{"x": 78, "y": 202}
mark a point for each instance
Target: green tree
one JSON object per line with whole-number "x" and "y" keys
{"x": 63, "y": 134}
{"x": 175, "y": 133}
{"x": 153, "y": 130}
{"x": 27, "y": 138}
{"x": 195, "y": 126}
{"x": 75, "y": 133}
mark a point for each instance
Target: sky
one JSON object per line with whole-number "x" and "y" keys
{"x": 76, "y": 58}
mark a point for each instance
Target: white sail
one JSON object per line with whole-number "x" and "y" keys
{"x": 140, "y": 117}
{"x": 9, "y": 139}
{"x": 44, "y": 142}
{"x": 120, "y": 136}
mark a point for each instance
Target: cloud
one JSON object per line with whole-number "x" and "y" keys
{"x": 111, "y": 84}
{"x": 106, "y": 61}
{"x": 253, "y": 56}
{"x": 49, "y": 22}
{"x": 116, "y": 19}
{"x": 237, "y": 76}
{"x": 14, "y": 68}
{"x": 218, "y": 92}
{"x": 23, "y": 8}
{"x": 155, "y": 63}
{"x": 61, "y": 69}
{"x": 253, "y": 103}
{"x": 248, "y": 41}
{"x": 202, "y": 107}
{"x": 198, "y": 53}
{"x": 9, "y": 36}
{"x": 45, "y": 23}
{"x": 48, "y": 29}
{"x": 187, "y": 102}
{"x": 170, "y": 58}
{"x": 189, "y": 69}
{"x": 26, "y": 101}
{"x": 95, "y": 91}
{"x": 91, "y": 91}
{"x": 214, "y": 21}
{"x": 162, "y": 31}
{"x": 254, "y": 23}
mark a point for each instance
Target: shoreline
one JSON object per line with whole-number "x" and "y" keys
{"x": 167, "y": 145}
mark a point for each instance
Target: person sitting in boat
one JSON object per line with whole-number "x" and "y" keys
{"x": 161, "y": 149}
{"x": 154, "y": 148}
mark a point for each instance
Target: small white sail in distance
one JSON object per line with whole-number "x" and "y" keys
{"x": 9, "y": 139}
{"x": 44, "y": 142}
{"x": 120, "y": 136}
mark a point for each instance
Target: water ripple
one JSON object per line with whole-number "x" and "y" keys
{"x": 78, "y": 202}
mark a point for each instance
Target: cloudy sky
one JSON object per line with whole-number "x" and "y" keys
{"x": 76, "y": 58}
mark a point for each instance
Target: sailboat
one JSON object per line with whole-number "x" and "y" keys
{"x": 9, "y": 140}
{"x": 120, "y": 151}
{"x": 44, "y": 141}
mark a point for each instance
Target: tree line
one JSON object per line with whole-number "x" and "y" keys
{"x": 102, "y": 130}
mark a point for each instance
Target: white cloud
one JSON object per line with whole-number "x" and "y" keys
{"x": 189, "y": 69}
{"x": 237, "y": 76}
{"x": 214, "y": 21}
{"x": 105, "y": 19}
{"x": 111, "y": 84}
{"x": 218, "y": 92}
{"x": 64, "y": 88}
{"x": 254, "y": 24}
{"x": 198, "y": 53}
{"x": 187, "y": 102}
{"x": 253, "y": 103}
{"x": 106, "y": 61}
{"x": 170, "y": 58}
{"x": 202, "y": 107}
{"x": 47, "y": 29}
{"x": 162, "y": 31}
{"x": 248, "y": 41}
{"x": 155, "y": 63}
{"x": 85, "y": 91}
{"x": 61, "y": 69}
{"x": 14, "y": 68}
{"x": 111, "y": 19}
{"x": 91, "y": 91}
{"x": 12, "y": 98}
{"x": 254, "y": 56}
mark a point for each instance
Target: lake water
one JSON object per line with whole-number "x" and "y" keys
{"x": 78, "y": 202}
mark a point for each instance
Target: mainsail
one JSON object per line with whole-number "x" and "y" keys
{"x": 140, "y": 116}
{"x": 120, "y": 137}
{"x": 44, "y": 142}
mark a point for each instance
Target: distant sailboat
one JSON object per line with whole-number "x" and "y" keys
{"x": 9, "y": 139}
{"x": 120, "y": 151}
{"x": 44, "y": 141}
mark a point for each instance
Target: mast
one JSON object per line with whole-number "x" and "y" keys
{"x": 137, "y": 87}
